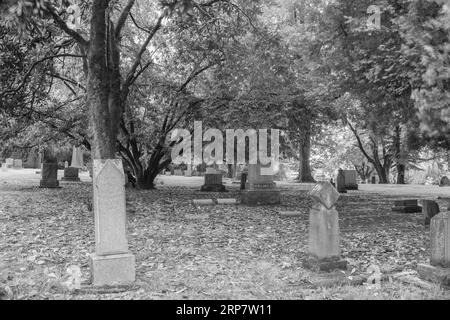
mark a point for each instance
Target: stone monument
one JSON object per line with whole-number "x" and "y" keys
{"x": 260, "y": 189}
{"x": 324, "y": 250}
{"x": 213, "y": 181}
{"x": 350, "y": 180}
{"x": 71, "y": 174}
{"x": 406, "y": 206}
{"x": 429, "y": 209}
{"x": 340, "y": 182}
{"x": 444, "y": 182}
{"x": 49, "y": 171}
{"x": 112, "y": 263}
{"x": 438, "y": 270}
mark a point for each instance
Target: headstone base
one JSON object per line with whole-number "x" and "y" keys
{"x": 76, "y": 179}
{"x": 260, "y": 197}
{"x": 407, "y": 209}
{"x": 434, "y": 274}
{"x": 213, "y": 188}
{"x": 115, "y": 269}
{"x": 49, "y": 184}
{"x": 324, "y": 264}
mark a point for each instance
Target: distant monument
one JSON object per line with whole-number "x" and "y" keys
{"x": 340, "y": 182}
{"x": 260, "y": 189}
{"x": 213, "y": 181}
{"x": 49, "y": 172}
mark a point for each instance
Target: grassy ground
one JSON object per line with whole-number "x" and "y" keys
{"x": 228, "y": 252}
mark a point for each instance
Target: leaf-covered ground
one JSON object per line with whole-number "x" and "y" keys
{"x": 185, "y": 251}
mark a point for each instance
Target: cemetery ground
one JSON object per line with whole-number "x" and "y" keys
{"x": 186, "y": 251}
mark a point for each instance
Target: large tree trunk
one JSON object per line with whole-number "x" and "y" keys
{"x": 399, "y": 161}
{"x": 103, "y": 87}
{"x": 304, "y": 170}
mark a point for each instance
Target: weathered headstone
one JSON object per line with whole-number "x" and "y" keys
{"x": 444, "y": 182}
{"x": 429, "y": 209}
{"x": 438, "y": 270}
{"x": 406, "y": 206}
{"x": 260, "y": 189}
{"x": 350, "y": 180}
{"x": 49, "y": 171}
{"x": 226, "y": 201}
{"x": 213, "y": 181}
{"x": 17, "y": 164}
{"x": 324, "y": 249}
{"x": 66, "y": 164}
{"x": 32, "y": 161}
{"x": 203, "y": 202}
{"x": 112, "y": 263}
{"x": 71, "y": 174}
{"x": 77, "y": 158}
{"x": 178, "y": 172}
{"x": 9, "y": 162}
{"x": 340, "y": 182}
{"x": 373, "y": 180}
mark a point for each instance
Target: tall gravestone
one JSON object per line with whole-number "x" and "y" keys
{"x": 77, "y": 158}
{"x": 324, "y": 248}
{"x": 350, "y": 179}
{"x": 112, "y": 263}
{"x": 260, "y": 189}
{"x": 49, "y": 171}
{"x": 340, "y": 182}
{"x": 429, "y": 209}
{"x": 213, "y": 181}
{"x": 71, "y": 173}
{"x": 438, "y": 270}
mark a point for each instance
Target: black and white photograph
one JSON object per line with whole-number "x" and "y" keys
{"x": 224, "y": 155}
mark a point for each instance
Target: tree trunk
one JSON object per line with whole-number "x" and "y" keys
{"x": 400, "y": 173}
{"x": 102, "y": 86}
{"x": 304, "y": 170}
{"x": 381, "y": 172}
{"x": 399, "y": 161}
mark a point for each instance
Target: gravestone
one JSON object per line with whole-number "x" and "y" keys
{"x": 340, "y": 182}
{"x": 66, "y": 164}
{"x": 71, "y": 174}
{"x": 429, "y": 209}
{"x": 438, "y": 269}
{"x": 350, "y": 179}
{"x": 178, "y": 172}
{"x": 188, "y": 172}
{"x": 444, "y": 182}
{"x": 9, "y": 162}
{"x": 213, "y": 181}
{"x": 324, "y": 247}
{"x": 32, "y": 161}
{"x": 77, "y": 158}
{"x": 17, "y": 164}
{"x": 260, "y": 188}
{"x": 373, "y": 180}
{"x": 4, "y": 166}
{"x": 49, "y": 171}
{"x": 406, "y": 206}
{"x": 112, "y": 263}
